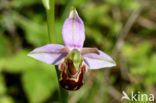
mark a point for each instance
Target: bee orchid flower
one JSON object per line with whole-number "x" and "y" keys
{"x": 72, "y": 59}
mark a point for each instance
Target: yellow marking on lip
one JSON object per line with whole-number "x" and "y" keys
{"x": 75, "y": 79}
{"x": 76, "y": 88}
{"x": 66, "y": 86}
{"x": 68, "y": 78}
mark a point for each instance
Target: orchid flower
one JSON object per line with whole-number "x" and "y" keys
{"x": 72, "y": 59}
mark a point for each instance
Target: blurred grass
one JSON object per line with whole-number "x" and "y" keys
{"x": 23, "y": 28}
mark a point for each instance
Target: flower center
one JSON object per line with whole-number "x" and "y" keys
{"x": 73, "y": 69}
{"x": 73, "y": 61}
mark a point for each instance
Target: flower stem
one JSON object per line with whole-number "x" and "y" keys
{"x": 52, "y": 38}
{"x": 51, "y": 21}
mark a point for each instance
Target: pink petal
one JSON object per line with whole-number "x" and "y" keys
{"x": 73, "y": 30}
{"x": 97, "y": 61}
{"x": 49, "y": 53}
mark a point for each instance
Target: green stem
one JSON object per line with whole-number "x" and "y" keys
{"x": 51, "y": 21}
{"x": 52, "y": 38}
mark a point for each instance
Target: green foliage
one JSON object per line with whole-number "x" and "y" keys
{"x": 39, "y": 84}
{"x": 142, "y": 61}
{"x": 2, "y": 86}
{"x": 38, "y": 78}
{"x": 4, "y": 98}
{"x": 18, "y": 62}
{"x": 22, "y": 3}
{"x": 35, "y": 33}
{"x": 4, "y": 46}
{"x": 125, "y": 4}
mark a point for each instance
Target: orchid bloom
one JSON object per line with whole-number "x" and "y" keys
{"x": 73, "y": 59}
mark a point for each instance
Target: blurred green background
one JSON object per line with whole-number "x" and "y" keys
{"x": 124, "y": 29}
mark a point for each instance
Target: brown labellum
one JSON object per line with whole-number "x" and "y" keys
{"x": 69, "y": 78}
